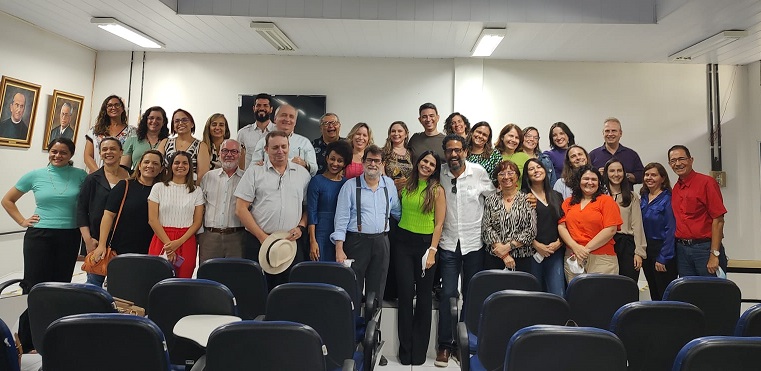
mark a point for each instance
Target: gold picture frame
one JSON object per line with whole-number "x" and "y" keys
{"x": 64, "y": 117}
{"x": 18, "y": 109}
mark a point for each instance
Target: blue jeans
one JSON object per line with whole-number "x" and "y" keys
{"x": 95, "y": 279}
{"x": 550, "y": 274}
{"x": 450, "y": 265}
{"x": 691, "y": 260}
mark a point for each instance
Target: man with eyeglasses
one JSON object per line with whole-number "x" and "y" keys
{"x": 330, "y": 127}
{"x": 612, "y": 147}
{"x": 223, "y": 232}
{"x": 250, "y": 134}
{"x": 14, "y": 126}
{"x": 699, "y": 212}
{"x": 460, "y": 247}
{"x": 271, "y": 198}
{"x": 430, "y": 139}
{"x": 362, "y": 223}
{"x": 301, "y": 151}
{"x": 63, "y": 130}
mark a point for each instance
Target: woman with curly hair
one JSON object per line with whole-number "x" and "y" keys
{"x": 151, "y": 130}
{"x": 111, "y": 122}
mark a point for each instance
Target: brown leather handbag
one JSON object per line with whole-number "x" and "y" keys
{"x": 100, "y": 267}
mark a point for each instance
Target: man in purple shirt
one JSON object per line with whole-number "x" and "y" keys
{"x": 612, "y": 133}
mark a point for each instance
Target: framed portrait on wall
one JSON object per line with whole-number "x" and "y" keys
{"x": 64, "y": 117}
{"x": 18, "y": 102}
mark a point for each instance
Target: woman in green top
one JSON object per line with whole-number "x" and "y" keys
{"x": 151, "y": 130}
{"x": 423, "y": 210}
{"x": 479, "y": 146}
{"x": 508, "y": 143}
{"x": 51, "y": 241}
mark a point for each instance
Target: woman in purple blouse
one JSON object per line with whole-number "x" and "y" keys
{"x": 561, "y": 138}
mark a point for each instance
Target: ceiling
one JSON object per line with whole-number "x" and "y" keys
{"x": 637, "y": 31}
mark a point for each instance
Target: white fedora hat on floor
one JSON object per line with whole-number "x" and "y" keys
{"x": 277, "y": 253}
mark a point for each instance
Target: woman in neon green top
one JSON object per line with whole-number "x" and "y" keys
{"x": 51, "y": 241}
{"x": 509, "y": 141}
{"x": 423, "y": 210}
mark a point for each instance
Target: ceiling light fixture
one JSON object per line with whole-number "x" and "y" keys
{"x": 710, "y": 44}
{"x": 488, "y": 41}
{"x": 126, "y": 32}
{"x": 274, "y": 36}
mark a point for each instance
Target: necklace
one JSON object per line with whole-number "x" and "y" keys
{"x": 509, "y": 198}
{"x": 50, "y": 177}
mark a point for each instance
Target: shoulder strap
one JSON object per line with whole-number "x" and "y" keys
{"x": 359, "y": 204}
{"x": 386, "y": 216}
{"x": 121, "y": 206}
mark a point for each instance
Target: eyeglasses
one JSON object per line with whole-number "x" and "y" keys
{"x": 183, "y": 120}
{"x": 114, "y": 105}
{"x": 454, "y": 185}
{"x": 373, "y": 160}
{"x": 330, "y": 123}
{"x": 534, "y": 137}
{"x": 453, "y": 150}
{"x": 225, "y": 151}
{"x": 503, "y": 174}
{"x": 678, "y": 159}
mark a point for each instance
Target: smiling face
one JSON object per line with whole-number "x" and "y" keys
{"x": 218, "y": 128}
{"x": 480, "y": 136}
{"x": 653, "y": 180}
{"x": 612, "y": 133}
{"x": 182, "y": 123}
{"x": 397, "y": 134}
{"x": 560, "y": 138}
{"x": 360, "y": 139}
{"x": 429, "y": 119}
{"x": 577, "y": 157}
{"x": 262, "y": 110}
{"x": 615, "y": 173}
{"x": 229, "y": 152}
{"x": 589, "y": 183}
{"x": 110, "y": 151}
{"x": 180, "y": 166}
{"x": 455, "y": 154}
{"x": 155, "y": 121}
{"x": 330, "y": 128}
{"x": 372, "y": 165}
{"x": 426, "y": 166}
{"x": 680, "y": 162}
{"x": 507, "y": 179}
{"x": 511, "y": 139}
{"x": 336, "y": 163}
{"x": 18, "y": 105}
{"x": 458, "y": 126}
{"x": 536, "y": 173}
{"x": 285, "y": 120}
{"x": 59, "y": 155}
{"x": 150, "y": 167}
{"x": 530, "y": 141}
{"x": 114, "y": 108}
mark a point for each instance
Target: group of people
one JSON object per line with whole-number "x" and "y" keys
{"x": 422, "y": 208}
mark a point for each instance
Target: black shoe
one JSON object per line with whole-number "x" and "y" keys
{"x": 383, "y": 361}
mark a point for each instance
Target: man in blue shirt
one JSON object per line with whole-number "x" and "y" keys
{"x": 612, "y": 147}
{"x": 361, "y": 223}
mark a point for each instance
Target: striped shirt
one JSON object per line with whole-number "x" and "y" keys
{"x": 502, "y": 225}
{"x": 176, "y": 204}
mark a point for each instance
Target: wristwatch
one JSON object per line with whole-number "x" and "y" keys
{"x": 715, "y": 253}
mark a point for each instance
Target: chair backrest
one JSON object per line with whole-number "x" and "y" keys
{"x": 325, "y": 308}
{"x": 244, "y": 278}
{"x": 572, "y": 348}
{"x": 174, "y": 298}
{"x": 332, "y": 273}
{"x": 749, "y": 323}
{"x": 720, "y": 353}
{"x": 653, "y": 332}
{"x": 268, "y": 345}
{"x": 594, "y": 298}
{"x": 50, "y": 301}
{"x": 505, "y": 312}
{"x": 718, "y": 298}
{"x": 115, "y": 342}
{"x": 487, "y": 282}
{"x": 132, "y": 276}
{"x": 8, "y": 356}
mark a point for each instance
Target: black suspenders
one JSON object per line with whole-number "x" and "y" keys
{"x": 359, "y": 204}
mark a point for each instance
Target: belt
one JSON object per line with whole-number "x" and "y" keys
{"x": 224, "y": 230}
{"x": 367, "y": 235}
{"x": 694, "y": 241}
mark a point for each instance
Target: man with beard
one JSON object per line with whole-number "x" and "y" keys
{"x": 14, "y": 127}
{"x": 330, "y": 126}
{"x": 250, "y": 134}
{"x": 460, "y": 246}
{"x": 223, "y": 232}
{"x": 301, "y": 151}
{"x": 63, "y": 130}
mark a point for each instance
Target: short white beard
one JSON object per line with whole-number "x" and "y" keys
{"x": 229, "y": 165}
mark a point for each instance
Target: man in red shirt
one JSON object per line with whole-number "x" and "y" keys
{"x": 699, "y": 212}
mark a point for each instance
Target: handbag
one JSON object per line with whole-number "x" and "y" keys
{"x": 100, "y": 267}
{"x": 128, "y": 307}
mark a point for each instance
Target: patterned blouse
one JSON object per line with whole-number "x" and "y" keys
{"x": 488, "y": 163}
{"x": 398, "y": 166}
{"x": 502, "y": 225}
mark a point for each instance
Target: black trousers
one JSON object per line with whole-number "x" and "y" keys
{"x": 49, "y": 256}
{"x": 370, "y": 253}
{"x": 624, "y": 247}
{"x": 390, "y": 293}
{"x": 657, "y": 281}
{"x": 414, "y": 321}
{"x": 251, "y": 247}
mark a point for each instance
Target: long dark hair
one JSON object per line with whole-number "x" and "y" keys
{"x": 188, "y": 177}
{"x": 577, "y": 192}
{"x": 554, "y": 199}
{"x": 160, "y": 176}
{"x": 142, "y": 126}
{"x": 566, "y": 130}
{"x": 488, "y": 149}
{"x": 448, "y": 123}
{"x": 664, "y": 174}
{"x": 429, "y": 198}
{"x": 103, "y": 121}
{"x": 626, "y": 189}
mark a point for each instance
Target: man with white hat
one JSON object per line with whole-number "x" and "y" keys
{"x": 270, "y": 206}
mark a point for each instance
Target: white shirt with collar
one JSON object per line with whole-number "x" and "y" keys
{"x": 299, "y": 146}
{"x": 464, "y": 208}
{"x": 219, "y": 198}
{"x": 249, "y": 135}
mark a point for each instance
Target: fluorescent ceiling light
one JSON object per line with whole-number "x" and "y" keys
{"x": 488, "y": 41}
{"x": 274, "y": 36}
{"x": 126, "y": 32}
{"x": 710, "y": 44}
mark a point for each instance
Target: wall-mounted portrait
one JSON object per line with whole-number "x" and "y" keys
{"x": 64, "y": 117}
{"x": 18, "y": 100}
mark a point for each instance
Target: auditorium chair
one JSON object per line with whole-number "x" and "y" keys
{"x": 132, "y": 276}
{"x": 244, "y": 278}
{"x": 712, "y": 353}
{"x": 595, "y": 297}
{"x": 749, "y": 323}
{"x": 718, "y": 298}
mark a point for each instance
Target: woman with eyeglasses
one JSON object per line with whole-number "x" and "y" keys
{"x": 561, "y": 138}
{"x": 151, "y": 130}
{"x": 322, "y": 197}
{"x": 531, "y": 148}
{"x": 508, "y": 227}
{"x": 423, "y": 209}
{"x": 509, "y": 143}
{"x": 591, "y": 219}
{"x": 660, "y": 225}
{"x": 184, "y": 126}
{"x": 479, "y": 147}
{"x": 111, "y": 122}
{"x": 630, "y": 241}
{"x": 575, "y": 157}
{"x": 214, "y": 133}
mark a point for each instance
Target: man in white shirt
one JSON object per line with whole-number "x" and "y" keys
{"x": 460, "y": 247}
{"x": 301, "y": 151}
{"x": 223, "y": 232}
{"x": 250, "y": 134}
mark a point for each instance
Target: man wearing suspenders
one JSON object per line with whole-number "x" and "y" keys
{"x": 361, "y": 225}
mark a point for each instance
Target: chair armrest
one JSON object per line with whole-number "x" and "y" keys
{"x": 200, "y": 364}
{"x": 348, "y": 365}
{"x": 462, "y": 346}
{"x": 455, "y": 315}
{"x": 8, "y": 283}
{"x": 370, "y": 345}
{"x": 372, "y": 307}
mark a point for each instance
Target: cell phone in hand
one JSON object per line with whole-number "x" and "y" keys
{"x": 178, "y": 260}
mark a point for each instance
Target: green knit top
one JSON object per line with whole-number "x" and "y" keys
{"x": 413, "y": 217}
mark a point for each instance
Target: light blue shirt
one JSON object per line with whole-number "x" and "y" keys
{"x": 373, "y": 208}
{"x": 299, "y": 145}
